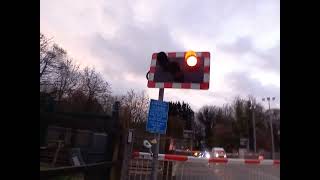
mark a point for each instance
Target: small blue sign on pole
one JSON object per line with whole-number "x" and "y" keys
{"x": 157, "y": 117}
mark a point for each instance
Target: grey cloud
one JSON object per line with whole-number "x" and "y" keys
{"x": 132, "y": 49}
{"x": 269, "y": 59}
{"x": 195, "y": 17}
{"x": 134, "y": 46}
{"x": 240, "y": 46}
{"x": 241, "y": 84}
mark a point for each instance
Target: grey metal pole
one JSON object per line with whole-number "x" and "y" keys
{"x": 155, "y": 162}
{"x": 254, "y": 128}
{"x": 271, "y": 129}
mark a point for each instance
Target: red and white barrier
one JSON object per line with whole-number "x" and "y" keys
{"x": 173, "y": 157}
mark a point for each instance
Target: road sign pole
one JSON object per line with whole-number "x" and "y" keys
{"x": 155, "y": 162}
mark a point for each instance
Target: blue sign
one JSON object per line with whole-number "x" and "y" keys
{"x": 157, "y": 117}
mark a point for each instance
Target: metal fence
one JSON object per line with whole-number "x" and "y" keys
{"x": 85, "y": 172}
{"x": 88, "y": 145}
{"x": 177, "y": 167}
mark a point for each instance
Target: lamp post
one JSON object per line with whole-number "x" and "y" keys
{"x": 270, "y": 120}
{"x": 253, "y": 107}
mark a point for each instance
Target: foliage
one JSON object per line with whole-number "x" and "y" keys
{"x": 183, "y": 111}
{"x": 134, "y": 109}
{"x": 224, "y": 126}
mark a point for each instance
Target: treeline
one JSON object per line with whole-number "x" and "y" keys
{"x": 224, "y": 126}
{"x": 181, "y": 117}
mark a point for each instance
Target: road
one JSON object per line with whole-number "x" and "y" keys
{"x": 140, "y": 170}
{"x": 226, "y": 172}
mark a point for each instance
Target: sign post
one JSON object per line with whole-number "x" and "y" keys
{"x": 157, "y": 124}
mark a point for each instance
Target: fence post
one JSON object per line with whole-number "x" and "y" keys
{"x": 112, "y": 129}
{"x": 127, "y": 142}
{"x": 167, "y": 168}
{"x": 114, "y": 140}
{"x": 56, "y": 154}
{"x": 48, "y": 107}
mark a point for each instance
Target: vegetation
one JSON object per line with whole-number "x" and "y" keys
{"x": 224, "y": 126}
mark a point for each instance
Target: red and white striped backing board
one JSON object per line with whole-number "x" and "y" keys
{"x": 173, "y": 157}
{"x": 206, "y": 77}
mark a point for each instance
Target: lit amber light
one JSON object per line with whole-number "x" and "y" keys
{"x": 191, "y": 58}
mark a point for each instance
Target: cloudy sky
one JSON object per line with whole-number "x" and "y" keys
{"x": 118, "y": 37}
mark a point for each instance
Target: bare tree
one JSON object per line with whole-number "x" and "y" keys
{"x": 44, "y": 44}
{"x": 46, "y": 56}
{"x": 49, "y": 60}
{"x": 227, "y": 114}
{"x": 241, "y": 115}
{"x": 135, "y": 108}
{"x": 207, "y": 117}
{"x": 94, "y": 86}
{"x": 67, "y": 78}
{"x": 61, "y": 78}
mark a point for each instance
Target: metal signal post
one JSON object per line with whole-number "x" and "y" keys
{"x": 155, "y": 161}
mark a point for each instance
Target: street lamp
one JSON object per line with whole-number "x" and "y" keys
{"x": 271, "y": 127}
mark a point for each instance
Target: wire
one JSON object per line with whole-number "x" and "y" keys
{"x": 147, "y": 75}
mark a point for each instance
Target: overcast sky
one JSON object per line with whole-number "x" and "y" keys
{"x": 118, "y": 37}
